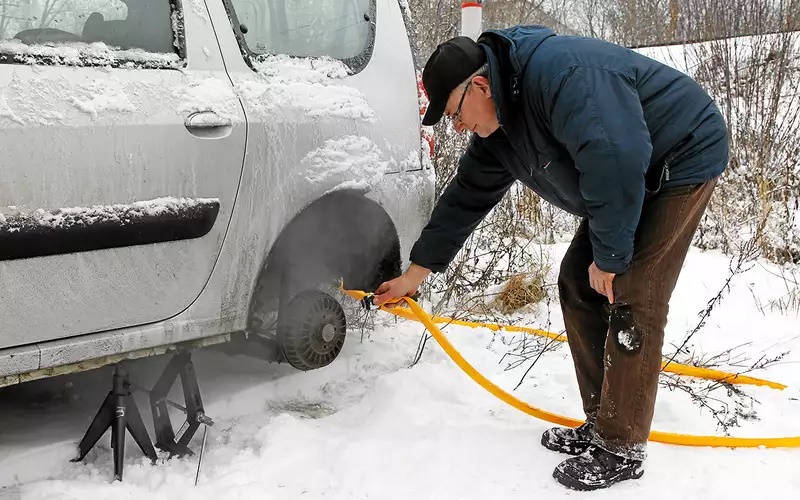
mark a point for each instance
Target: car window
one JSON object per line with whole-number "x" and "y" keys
{"x": 30, "y": 26}
{"x": 341, "y": 29}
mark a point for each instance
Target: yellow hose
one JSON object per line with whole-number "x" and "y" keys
{"x": 677, "y": 368}
{"x": 418, "y": 314}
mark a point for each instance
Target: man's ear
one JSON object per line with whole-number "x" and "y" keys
{"x": 482, "y": 84}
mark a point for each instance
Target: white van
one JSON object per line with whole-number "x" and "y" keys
{"x": 173, "y": 173}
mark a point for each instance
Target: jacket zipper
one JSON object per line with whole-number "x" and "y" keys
{"x": 671, "y": 154}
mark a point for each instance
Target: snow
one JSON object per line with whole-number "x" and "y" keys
{"x": 102, "y": 95}
{"x": 628, "y": 339}
{"x": 52, "y": 99}
{"x": 304, "y": 87}
{"x": 208, "y": 94}
{"x": 79, "y": 54}
{"x": 66, "y": 217}
{"x": 178, "y": 31}
{"x": 6, "y": 111}
{"x": 36, "y": 100}
{"x": 355, "y": 158}
{"x": 370, "y": 425}
{"x": 356, "y": 162}
{"x": 406, "y": 9}
{"x": 687, "y": 57}
{"x": 199, "y": 9}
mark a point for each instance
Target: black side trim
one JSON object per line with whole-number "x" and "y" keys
{"x": 63, "y": 231}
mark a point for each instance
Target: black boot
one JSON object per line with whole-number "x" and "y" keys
{"x": 595, "y": 469}
{"x": 568, "y": 440}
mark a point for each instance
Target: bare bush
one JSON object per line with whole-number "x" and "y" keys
{"x": 790, "y": 300}
{"x": 757, "y": 83}
{"x": 726, "y": 402}
{"x": 637, "y": 23}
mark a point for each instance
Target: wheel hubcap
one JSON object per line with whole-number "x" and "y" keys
{"x": 328, "y": 332}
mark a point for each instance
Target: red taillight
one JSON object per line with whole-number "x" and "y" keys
{"x": 426, "y": 133}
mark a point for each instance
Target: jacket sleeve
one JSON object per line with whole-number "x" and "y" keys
{"x": 596, "y": 114}
{"x": 479, "y": 184}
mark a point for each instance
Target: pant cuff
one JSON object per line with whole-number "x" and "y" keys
{"x": 637, "y": 451}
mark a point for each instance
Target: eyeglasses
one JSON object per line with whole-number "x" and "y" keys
{"x": 457, "y": 115}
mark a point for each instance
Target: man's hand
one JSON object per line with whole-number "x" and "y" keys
{"x": 402, "y": 286}
{"x": 602, "y": 282}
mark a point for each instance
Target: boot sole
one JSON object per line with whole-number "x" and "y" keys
{"x": 574, "y": 484}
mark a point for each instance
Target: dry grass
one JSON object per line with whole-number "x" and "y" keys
{"x": 521, "y": 290}
{"x": 788, "y": 303}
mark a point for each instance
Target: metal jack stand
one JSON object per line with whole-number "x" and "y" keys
{"x": 119, "y": 412}
{"x": 166, "y": 439}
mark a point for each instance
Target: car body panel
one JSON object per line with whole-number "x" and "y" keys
{"x": 79, "y": 137}
{"x": 311, "y": 130}
{"x": 358, "y": 132}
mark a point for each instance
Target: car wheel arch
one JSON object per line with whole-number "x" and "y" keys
{"x": 342, "y": 234}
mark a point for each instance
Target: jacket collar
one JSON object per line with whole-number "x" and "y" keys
{"x": 508, "y": 52}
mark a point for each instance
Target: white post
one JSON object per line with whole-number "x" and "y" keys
{"x": 471, "y": 18}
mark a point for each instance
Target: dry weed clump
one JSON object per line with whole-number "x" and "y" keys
{"x": 521, "y": 290}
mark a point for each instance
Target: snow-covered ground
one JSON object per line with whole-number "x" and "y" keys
{"x": 371, "y": 426}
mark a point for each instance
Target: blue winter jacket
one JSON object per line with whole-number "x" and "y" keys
{"x": 592, "y": 127}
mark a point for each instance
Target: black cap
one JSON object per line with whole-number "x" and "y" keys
{"x": 450, "y": 64}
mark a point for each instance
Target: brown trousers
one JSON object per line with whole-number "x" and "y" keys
{"x": 616, "y": 347}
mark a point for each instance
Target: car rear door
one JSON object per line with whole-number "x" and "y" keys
{"x": 121, "y": 150}
{"x": 330, "y": 95}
